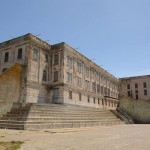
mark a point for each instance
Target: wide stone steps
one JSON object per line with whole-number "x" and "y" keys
{"x": 35, "y": 116}
{"x": 61, "y": 124}
{"x": 57, "y": 118}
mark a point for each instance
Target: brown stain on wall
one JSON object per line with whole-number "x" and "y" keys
{"x": 10, "y": 81}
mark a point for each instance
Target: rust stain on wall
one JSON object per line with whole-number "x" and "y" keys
{"x": 10, "y": 81}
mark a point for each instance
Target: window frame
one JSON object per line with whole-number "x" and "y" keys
{"x": 6, "y": 57}
{"x": 19, "y": 55}
{"x": 44, "y": 77}
{"x": 56, "y": 75}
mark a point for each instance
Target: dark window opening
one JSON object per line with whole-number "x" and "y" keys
{"x": 35, "y": 54}
{"x": 80, "y": 97}
{"x": 144, "y": 85}
{"x": 145, "y": 92}
{"x": 102, "y": 90}
{"x": 44, "y": 75}
{"x": 56, "y": 60}
{"x": 88, "y": 99}
{"x": 55, "y": 76}
{"x": 70, "y": 94}
{"x": 129, "y": 93}
{"x": 6, "y": 57}
{"x": 136, "y": 91}
{"x": 98, "y": 101}
{"x": 137, "y": 97}
{"x": 102, "y": 102}
{"x": 94, "y": 100}
{"x": 128, "y": 86}
{"x": 19, "y": 53}
{"x": 105, "y": 102}
{"x": 46, "y": 57}
{"x": 136, "y": 85}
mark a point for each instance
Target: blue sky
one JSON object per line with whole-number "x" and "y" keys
{"x": 115, "y": 34}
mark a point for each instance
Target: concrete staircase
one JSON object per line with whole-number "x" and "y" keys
{"x": 48, "y": 116}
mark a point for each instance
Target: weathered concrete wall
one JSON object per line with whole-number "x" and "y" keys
{"x": 10, "y": 82}
{"x": 139, "y": 110}
{"x": 36, "y": 93}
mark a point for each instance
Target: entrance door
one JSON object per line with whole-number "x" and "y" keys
{"x": 55, "y": 96}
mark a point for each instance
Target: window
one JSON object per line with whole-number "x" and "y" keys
{"x": 19, "y": 53}
{"x": 98, "y": 101}
{"x": 80, "y": 98}
{"x": 35, "y": 54}
{"x": 55, "y": 95}
{"x": 94, "y": 100}
{"x": 88, "y": 98}
{"x": 105, "y": 102}
{"x": 136, "y": 85}
{"x": 136, "y": 91}
{"x": 70, "y": 94}
{"x": 79, "y": 68}
{"x": 145, "y": 92}
{"x": 69, "y": 77}
{"x": 93, "y": 86}
{"x": 92, "y": 74}
{"x": 102, "y": 102}
{"x": 109, "y": 92}
{"x": 97, "y": 77}
{"x": 98, "y": 88}
{"x": 144, "y": 85}
{"x": 46, "y": 57}
{"x": 101, "y": 89}
{"x": 129, "y": 93}
{"x": 55, "y": 76}
{"x": 56, "y": 59}
{"x": 6, "y": 57}
{"x": 87, "y": 71}
{"x": 105, "y": 91}
{"x": 69, "y": 61}
{"x": 79, "y": 81}
{"x": 44, "y": 75}
{"x": 87, "y": 84}
{"x": 128, "y": 86}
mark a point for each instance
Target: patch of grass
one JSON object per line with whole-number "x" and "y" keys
{"x": 2, "y": 136}
{"x": 13, "y": 145}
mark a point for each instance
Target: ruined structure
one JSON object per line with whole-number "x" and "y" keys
{"x": 54, "y": 74}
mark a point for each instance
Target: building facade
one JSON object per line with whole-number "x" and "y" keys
{"x": 137, "y": 87}
{"x": 58, "y": 74}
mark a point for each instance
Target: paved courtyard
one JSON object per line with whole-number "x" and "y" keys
{"x": 124, "y": 137}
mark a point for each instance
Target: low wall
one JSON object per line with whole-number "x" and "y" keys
{"x": 10, "y": 82}
{"x": 139, "y": 110}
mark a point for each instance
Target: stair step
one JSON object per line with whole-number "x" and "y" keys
{"x": 26, "y": 116}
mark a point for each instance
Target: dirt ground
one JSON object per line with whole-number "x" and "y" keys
{"x": 123, "y": 137}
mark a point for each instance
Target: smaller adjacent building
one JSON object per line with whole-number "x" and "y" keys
{"x": 137, "y": 87}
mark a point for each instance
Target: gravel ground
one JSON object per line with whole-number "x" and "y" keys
{"x": 123, "y": 137}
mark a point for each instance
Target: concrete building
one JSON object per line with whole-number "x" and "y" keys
{"x": 137, "y": 87}
{"x": 53, "y": 74}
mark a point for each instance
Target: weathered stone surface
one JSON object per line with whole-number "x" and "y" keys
{"x": 10, "y": 87}
{"x": 139, "y": 110}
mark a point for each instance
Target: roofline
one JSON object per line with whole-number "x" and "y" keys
{"x": 63, "y": 43}
{"x": 134, "y": 77}
{"x": 26, "y": 37}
